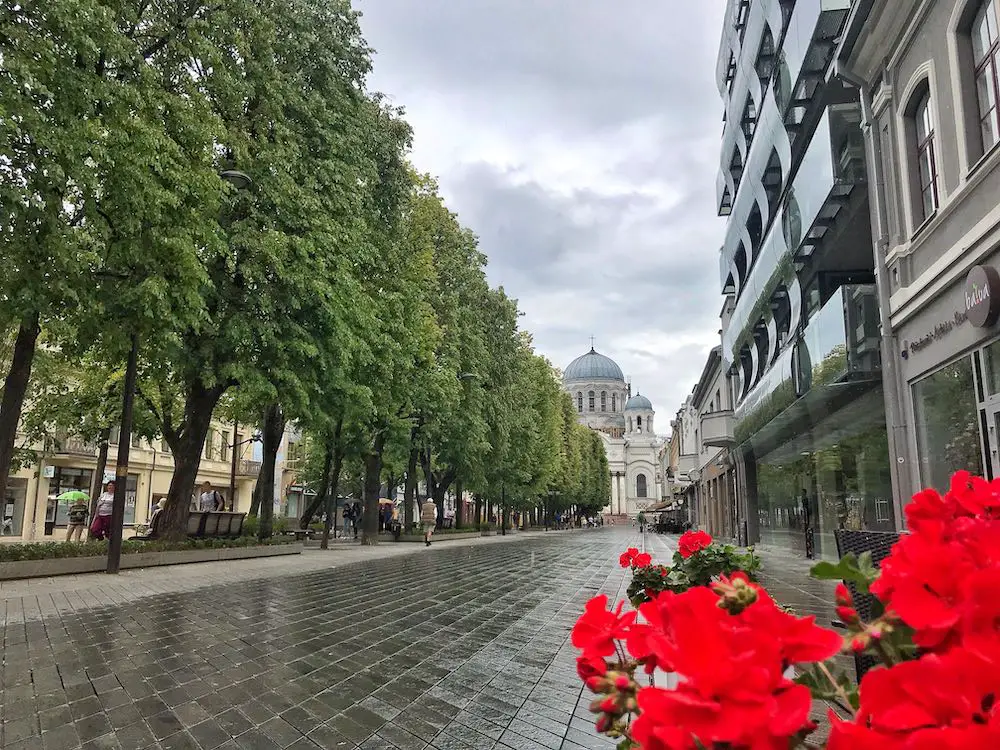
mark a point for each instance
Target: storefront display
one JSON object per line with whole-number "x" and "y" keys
{"x": 947, "y": 424}
{"x": 835, "y": 477}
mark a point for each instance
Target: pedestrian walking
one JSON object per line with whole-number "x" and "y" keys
{"x": 428, "y": 517}
{"x": 78, "y": 512}
{"x": 101, "y": 526}
{"x": 348, "y": 510}
{"x": 356, "y": 513}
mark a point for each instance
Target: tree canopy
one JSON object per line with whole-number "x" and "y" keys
{"x": 217, "y": 181}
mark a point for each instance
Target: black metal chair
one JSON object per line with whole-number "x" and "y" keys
{"x": 879, "y": 543}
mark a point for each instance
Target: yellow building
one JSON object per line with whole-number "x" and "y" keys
{"x": 32, "y": 513}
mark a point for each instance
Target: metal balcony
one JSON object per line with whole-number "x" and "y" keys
{"x": 66, "y": 445}
{"x": 247, "y": 468}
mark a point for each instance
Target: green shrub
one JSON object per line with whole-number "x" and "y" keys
{"x": 250, "y": 526}
{"x": 57, "y": 550}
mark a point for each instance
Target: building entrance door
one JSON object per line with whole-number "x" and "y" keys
{"x": 991, "y": 416}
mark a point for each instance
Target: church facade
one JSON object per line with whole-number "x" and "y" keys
{"x": 604, "y": 403}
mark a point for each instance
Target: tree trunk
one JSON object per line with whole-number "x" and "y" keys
{"x": 373, "y": 483}
{"x": 14, "y": 389}
{"x": 331, "y": 502}
{"x": 272, "y": 429}
{"x": 187, "y": 443}
{"x": 458, "y": 503}
{"x": 324, "y": 487}
{"x": 479, "y": 509}
{"x": 98, "y": 485}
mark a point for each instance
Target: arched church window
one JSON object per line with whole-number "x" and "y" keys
{"x": 579, "y": 401}
{"x": 614, "y": 402}
{"x": 640, "y": 486}
{"x": 638, "y": 424}
{"x": 604, "y": 400}
{"x": 590, "y": 400}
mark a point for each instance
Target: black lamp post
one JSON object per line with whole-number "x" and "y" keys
{"x": 240, "y": 181}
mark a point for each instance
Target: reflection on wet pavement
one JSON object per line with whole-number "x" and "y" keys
{"x": 460, "y": 648}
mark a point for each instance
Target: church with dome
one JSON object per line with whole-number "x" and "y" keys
{"x": 604, "y": 403}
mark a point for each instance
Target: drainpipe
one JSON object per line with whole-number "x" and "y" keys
{"x": 891, "y": 380}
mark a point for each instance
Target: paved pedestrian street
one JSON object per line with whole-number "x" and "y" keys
{"x": 455, "y": 647}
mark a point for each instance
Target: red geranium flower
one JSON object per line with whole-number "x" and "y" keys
{"x": 591, "y": 670}
{"x": 626, "y": 558}
{"x": 597, "y": 629}
{"x": 941, "y": 702}
{"x": 693, "y": 541}
{"x": 642, "y": 560}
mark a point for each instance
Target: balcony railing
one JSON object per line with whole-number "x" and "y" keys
{"x": 65, "y": 445}
{"x": 247, "y": 468}
{"x": 717, "y": 429}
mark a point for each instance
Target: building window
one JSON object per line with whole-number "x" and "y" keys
{"x": 926, "y": 157}
{"x": 986, "y": 54}
{"x": 614, "y": 402}
{"x": 947, "y": 424}
{"x": 638, "y": 424}
{"x": 590, "y": 400}
{"x": 210, "y": 445}
{"x": 640, "y": 486}
{"x": 579, "y": 401}
{"x": 224, "y": 447}
{"x": 604, "y": 400}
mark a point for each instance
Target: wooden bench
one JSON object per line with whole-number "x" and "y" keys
{"x": 879, "y": 544}
{"x": 202, "y": 524}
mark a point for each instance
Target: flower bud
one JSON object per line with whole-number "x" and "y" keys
{"x": 843, "y": 595}
{"x": 859, "y": 644}
{"x": 604, "y": 723}
{"x": 848, "y": 615}
{"x": 609, "y": 705}
{"x": 622, "y": 682}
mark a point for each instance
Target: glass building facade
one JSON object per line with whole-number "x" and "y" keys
{"x": 801, "y": 342}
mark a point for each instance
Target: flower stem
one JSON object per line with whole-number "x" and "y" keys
{"x": 844, "y": 701}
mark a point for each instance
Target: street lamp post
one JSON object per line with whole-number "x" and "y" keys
{"x": 121, "y": 466}
{"x": 237, "y": 444}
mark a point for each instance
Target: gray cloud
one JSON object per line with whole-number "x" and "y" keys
{"x": 580, "y": 142}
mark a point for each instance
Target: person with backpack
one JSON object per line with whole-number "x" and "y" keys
{"x": 210, "y": 499}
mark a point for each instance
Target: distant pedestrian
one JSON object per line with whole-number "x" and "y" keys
{"x": 428, "y": 518}
{"x": 210, "y": 500}
{"x": 101, "y": 526}
{"x": 357, "y": 511}
{"x": 78, "y": 513}
{"x": 346, "y": 513}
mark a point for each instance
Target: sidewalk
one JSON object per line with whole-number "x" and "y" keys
{"x": 32, "y": 599}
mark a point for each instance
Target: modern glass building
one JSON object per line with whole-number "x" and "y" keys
{"x": 801, "y": 339}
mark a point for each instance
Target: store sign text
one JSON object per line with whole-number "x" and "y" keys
{"x": 939, "y": 331}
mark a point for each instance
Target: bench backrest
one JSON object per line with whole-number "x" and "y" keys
{"x": 879, "y": 543}
{"x": 196, "y": 522}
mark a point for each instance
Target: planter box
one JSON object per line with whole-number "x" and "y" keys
{"x": 73, "y": 565}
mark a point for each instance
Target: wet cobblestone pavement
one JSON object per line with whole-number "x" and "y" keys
{"x": 453, "y": 649}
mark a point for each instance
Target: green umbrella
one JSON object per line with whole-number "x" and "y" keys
{"x": 75, "y": 495}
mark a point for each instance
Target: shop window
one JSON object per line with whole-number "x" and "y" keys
{"x": 65, "y": 479}
{"x": 13, "y": 510}
{"x": 640, "y": 486}
{"x": 947, "y": 424}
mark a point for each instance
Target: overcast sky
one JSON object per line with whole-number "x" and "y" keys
{"x": 579, "y": 139}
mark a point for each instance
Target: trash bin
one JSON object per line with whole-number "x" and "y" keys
{"x": 50, "y": 527}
